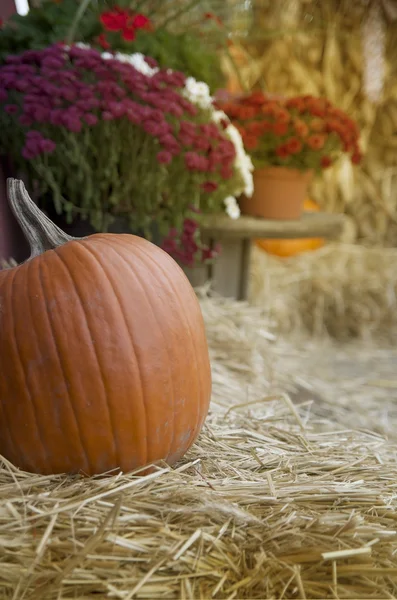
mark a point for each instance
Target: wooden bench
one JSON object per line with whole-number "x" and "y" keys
{"x": 230, "y": 272}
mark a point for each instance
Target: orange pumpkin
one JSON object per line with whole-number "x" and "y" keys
{"x": 291, "y": 247}
{"x": 104, "y": 359}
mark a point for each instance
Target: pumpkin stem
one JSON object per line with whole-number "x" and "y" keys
{"x": 41, "y": 233}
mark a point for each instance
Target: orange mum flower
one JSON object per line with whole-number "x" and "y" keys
{"x": 269, "y": 108}
{"x": 326, "y": 162}
{"x": 301, "y": 128}
{"x": 282, "y": 115}
{"x": 246, "y": 112}
{"x": 256, "y": 98}
{"x": 282, "y": 151}
{"x": 250, "y": 142}
{"x": 294, "y": 145}
{"x": 254, "y": 128}
{"x": 317, "y": 125}
{"x": 315, "y": 142}
{"x": 280, "y": 128}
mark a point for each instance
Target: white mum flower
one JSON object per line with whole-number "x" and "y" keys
{"x": 137, "y": 60}
{"x": 243, "y": 162}
{"x": 219, "y": 115}
{"x": 232, "y": 208}
{"x": 197, "y": 92}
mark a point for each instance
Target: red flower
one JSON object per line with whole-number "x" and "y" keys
{"x": 128, "y": 34}
{"x": 282, "y": 115}
{"x": 141, "y": 22}
{"x": 114, "y": 20}
{"x": 246, "y": 112}
{"x": 250, "y": 142}
{"x": 280, "y": 128}
{"x": 102, "y": 41}
{"x": 232, "y": 110}
{"x": 256, "y": 98}
{"x": 356, "y": 158}
{"x": 269, "y": 108}
{"x": 209, "y": 186}
{"x": 254, "y": 128}
{"x": 315, "y": 142}
{"x": 316, "y": 106}
{"x": 326, "y": 162}
{"x": 334, "y": 125}
{"x": 282, "y": 151}
{"x": 318, "y": 112}
{"x": 337, "y": 112}
{"x": 265, "y": 127}
{"x": 297, "y": 103}
{"x": 294, "y": 145}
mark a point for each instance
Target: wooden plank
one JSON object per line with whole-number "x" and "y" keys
{"x": 197, "y": 276}
{"x": 226, "y": 270}
{"x": 311, "y": 224}
{"x": 246, "y": 246}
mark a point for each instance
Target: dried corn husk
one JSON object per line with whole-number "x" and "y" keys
{"x": 321, "y": 53}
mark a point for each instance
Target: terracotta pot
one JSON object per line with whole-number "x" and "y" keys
{"x": 279, "y": 193}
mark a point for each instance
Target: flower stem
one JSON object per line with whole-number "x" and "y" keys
{"x": 77, "y": 18}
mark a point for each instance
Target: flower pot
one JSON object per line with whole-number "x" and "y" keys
{"x": 279, "y": 193}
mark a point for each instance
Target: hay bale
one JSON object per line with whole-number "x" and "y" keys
{"x": 341, "y": 290}
{"x": 276, "y": 500}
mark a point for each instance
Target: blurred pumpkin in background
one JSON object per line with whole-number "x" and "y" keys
{"x": 292, "y": 247}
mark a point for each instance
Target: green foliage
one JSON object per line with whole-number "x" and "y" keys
{"x": 45, "y": 26}
{"x": 193, "y": 52}
{"x": 111, "y": 169}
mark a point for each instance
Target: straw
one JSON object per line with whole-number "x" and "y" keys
{"x": 289, "y": 492}
{"x": 343, "y": 290}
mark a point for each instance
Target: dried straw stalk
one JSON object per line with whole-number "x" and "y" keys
{"x": 342, "y": 290}
{"x": 278, "y": 499}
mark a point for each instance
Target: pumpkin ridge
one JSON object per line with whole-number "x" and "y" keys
{"x": 142, "y": 394}
{"x": 3, "y": 418}
{"x": 30, "y": 267}
{"x": 197, "y": 426}
{"x": 21, "y": 367}
{"x": 186, "y": 320}
{"x": 162, "y": 335}
{"x": 56, "y": 346}
{"x": 116, "y": 448}
{"x": 7, "y": 430}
